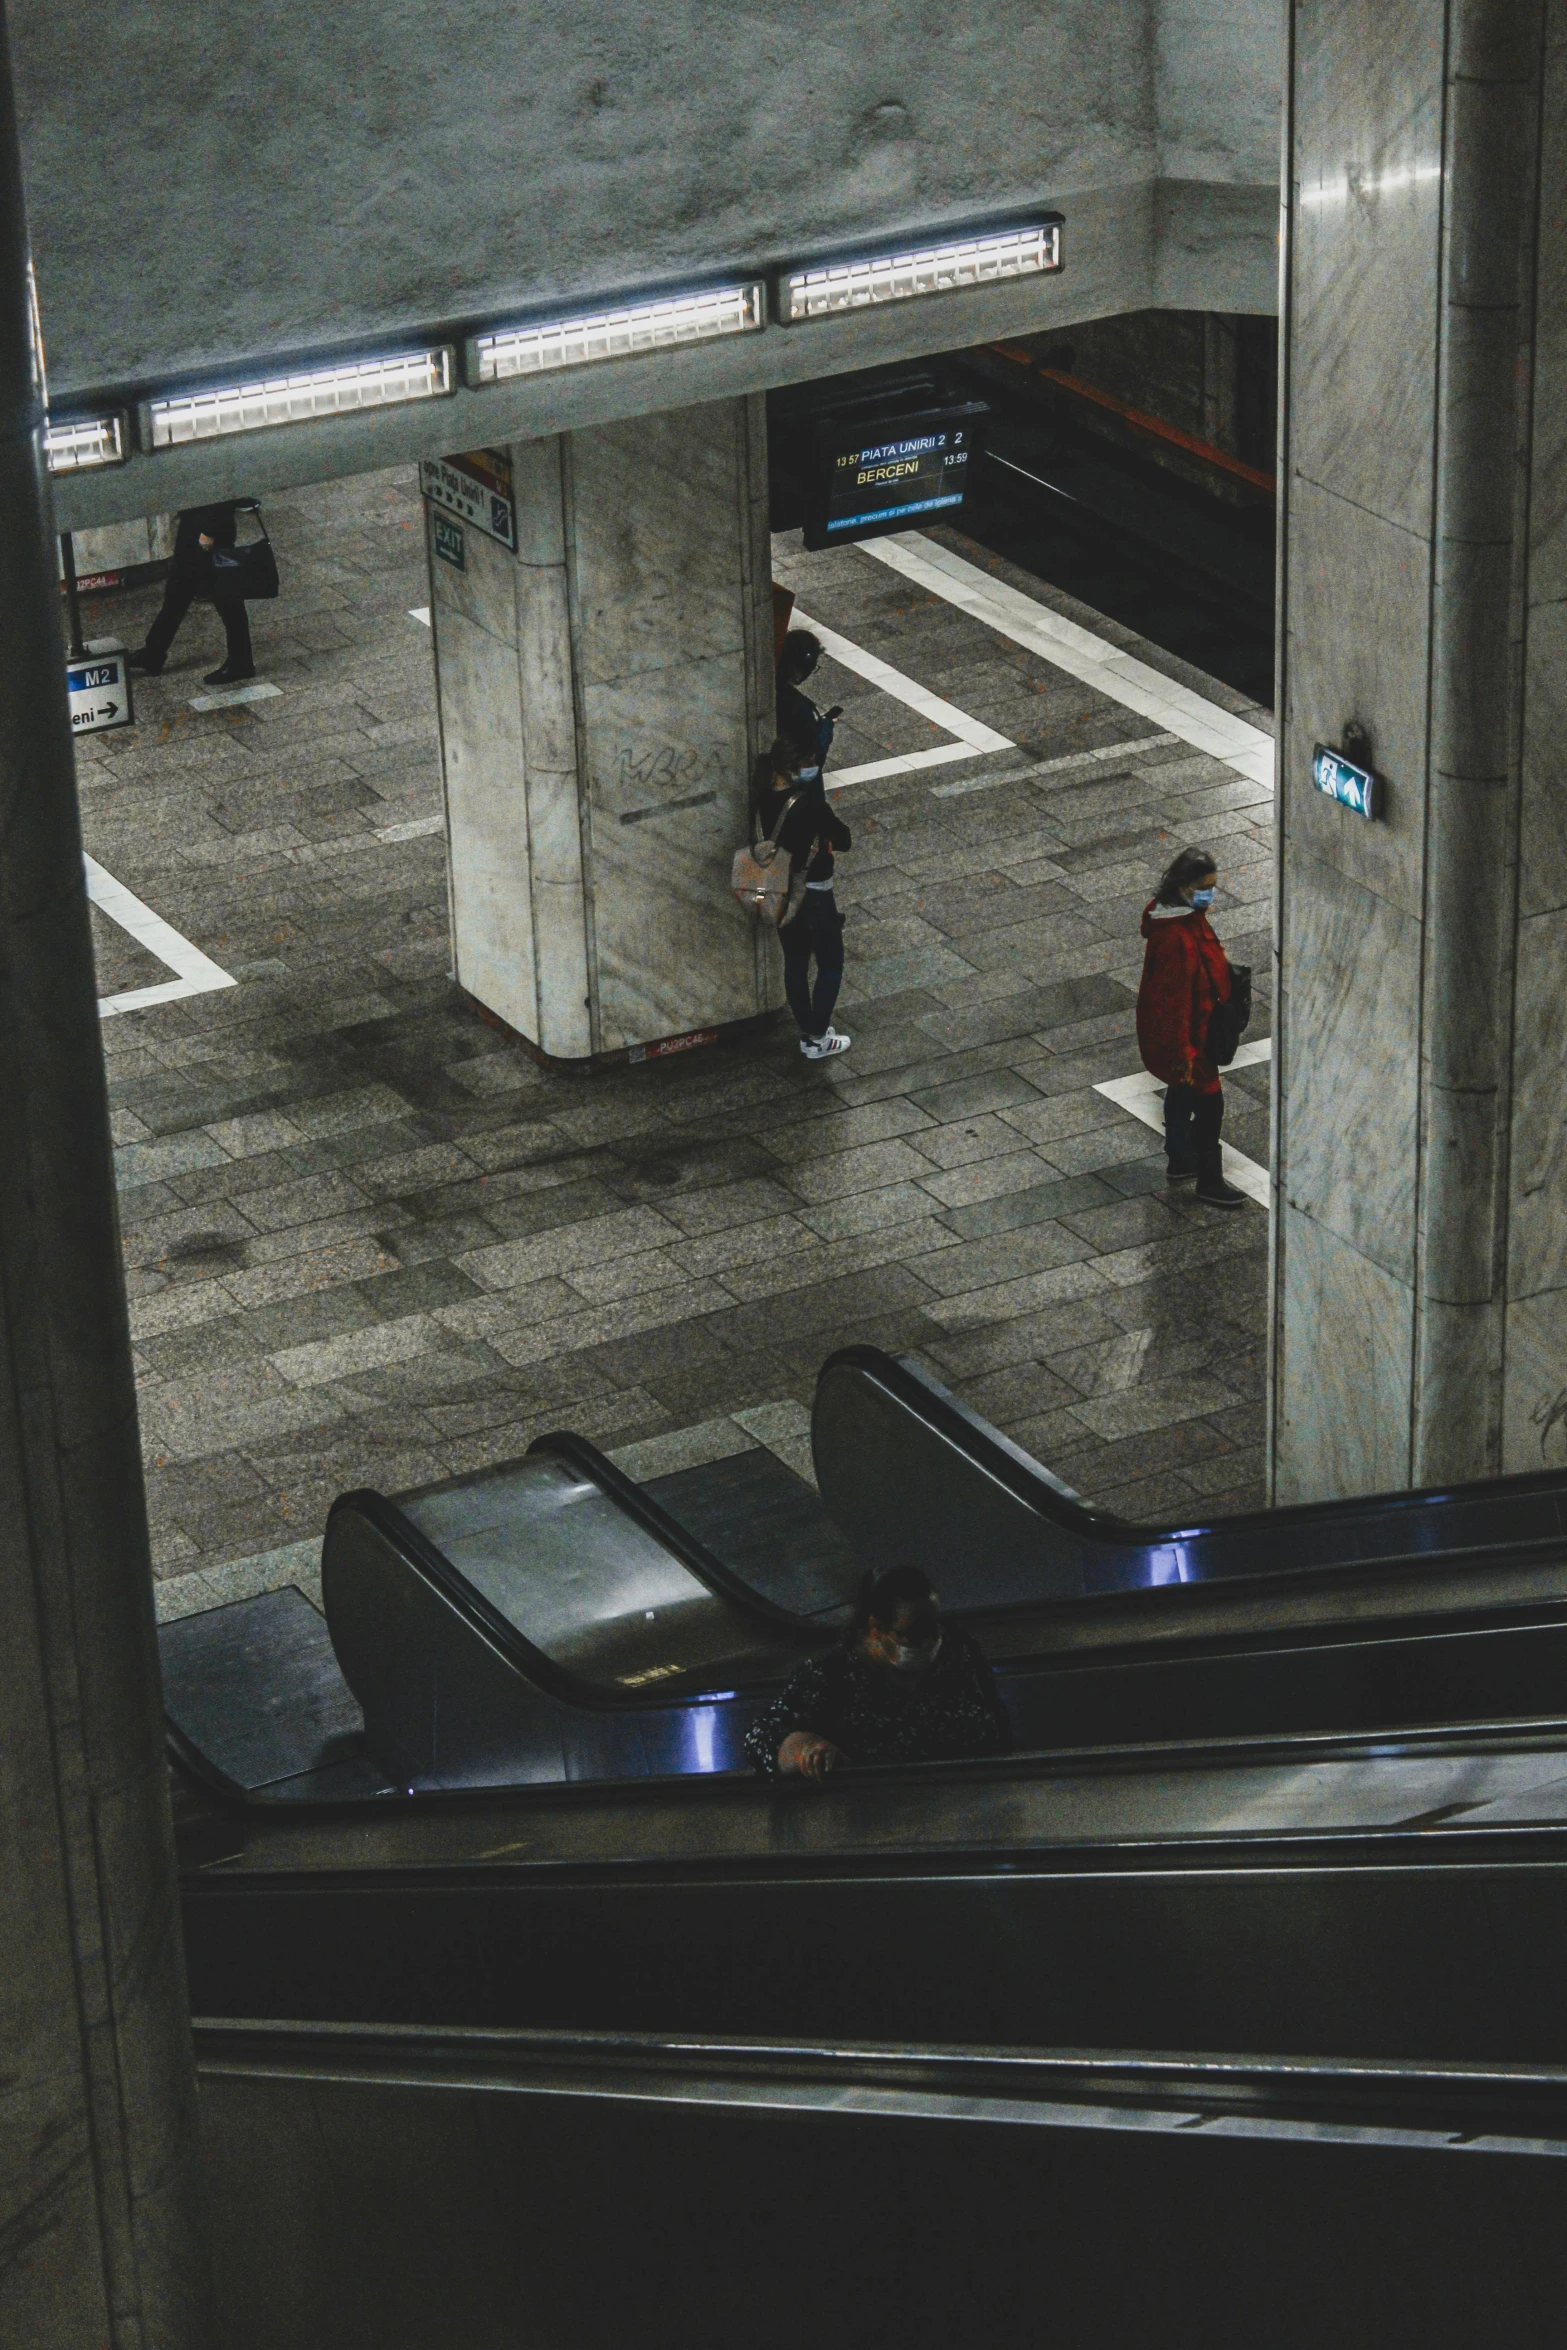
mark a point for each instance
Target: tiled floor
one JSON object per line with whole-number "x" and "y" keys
{"x": 367, "y": 1242}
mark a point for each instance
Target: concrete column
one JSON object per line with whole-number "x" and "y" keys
{"x": 1420, "y": 1281}
{"x": 98, "y": 2239}
{"x": 603, "y": 694}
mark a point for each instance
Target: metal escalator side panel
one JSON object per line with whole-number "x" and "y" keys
{"x": 609, "y": 1596}
{"x": 899, "y": 1504}
{"x": 443, "y": 1705}
{"x": 905, "y": 1484}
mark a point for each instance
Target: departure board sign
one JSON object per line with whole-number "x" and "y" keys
{"x": 891, "y": 472}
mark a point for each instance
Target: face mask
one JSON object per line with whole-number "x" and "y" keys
{"x": 913, "y": 1660}
{"x": 1202, "y": 897}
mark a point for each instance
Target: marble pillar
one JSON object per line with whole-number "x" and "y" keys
{"x": 1420, "y": 1228}
{"x": 603, "y": 693}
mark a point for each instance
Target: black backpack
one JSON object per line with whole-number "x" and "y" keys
{"x": 1229, "y": 1021}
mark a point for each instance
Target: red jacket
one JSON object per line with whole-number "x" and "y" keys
{"x": 1185, "y": 973}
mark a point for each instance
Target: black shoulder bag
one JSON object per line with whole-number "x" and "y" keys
{"x": 249, "y": 572}
{"x": 1229, "y": 1021}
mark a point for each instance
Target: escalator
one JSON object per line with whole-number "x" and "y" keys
{"x": 409, "y": 2189}
{"x": 550, "y": 1620}
{"x": 1226, "y": 2028}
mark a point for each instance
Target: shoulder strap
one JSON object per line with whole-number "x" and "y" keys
{"x": 772, "y": 838}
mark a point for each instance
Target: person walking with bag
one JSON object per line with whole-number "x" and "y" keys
{"x": 205, "y": 534}
{"x": 789, "y": 880}
{"x": 1186, "y": 978}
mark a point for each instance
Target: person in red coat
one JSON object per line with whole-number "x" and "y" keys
{"x": 1185, "y": 973}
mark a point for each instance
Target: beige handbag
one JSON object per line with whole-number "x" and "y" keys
{"x": 762, "y": 880}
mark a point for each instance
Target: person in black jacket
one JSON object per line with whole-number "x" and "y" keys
{"x": 193, "y": 578}
{"x": 812, "y": 832}
{"x": 799, "y": 718}
{"x": 904, "y": 1687}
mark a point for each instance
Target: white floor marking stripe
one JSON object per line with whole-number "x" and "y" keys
{"x": 903, "y": 764}
{"x": 195, "y": 973}
{"x": 1079, "y": 652}
{"x": 1142, "y": 1095}
{"x": 229, "y": 695}
{"x": 972, "y": 734}
{"x": 416, "y": 828}
{"x": 1146, "y": 742}
{"x": 421, "y": 613}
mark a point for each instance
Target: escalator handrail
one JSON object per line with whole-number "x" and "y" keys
{"x": 555, "y": 1680}
{"x": 515, "y": 1648}
{"x": 1032, "y": 1484}
{"x": 637, "y": 1503}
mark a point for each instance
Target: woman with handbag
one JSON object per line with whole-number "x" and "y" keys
{"x": 1186, "y": 976}
{"x": 795, "y": 815}
{"x": 194, "y": 576}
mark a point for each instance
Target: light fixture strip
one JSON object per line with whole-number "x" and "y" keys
{"x": 933, "y": 269}
{"x": 291, "y": 399}
{"x": 83, "y": 442}
{"x": 505, "y": 352}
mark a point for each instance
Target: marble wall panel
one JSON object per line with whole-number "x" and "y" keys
{"x": 669, "y": 757}
{"x": 1534, "y": 1394}
{"x": 1537, "y": 1236}
{"x": 486, "y": 813}
{"x": 1342, "y": 1369}
{"x": 1542, "y": 843}
{"x": 1357, "y": 637}
{"x": 658, "y": 538}
{"x": 1350, "y": 1063}
{"x": 1548, "y": 470}
{"x": 484, "y": 591}
{"x": 1366, "y": 196}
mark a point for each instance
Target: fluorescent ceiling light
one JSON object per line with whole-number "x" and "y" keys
{"x": 932, "y": 269}
{"x": 615, "y": 334}
{"x": 83, "y": 441}
{"x": 289, "y": 399}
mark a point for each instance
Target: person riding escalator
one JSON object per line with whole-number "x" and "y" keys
{"x": 903, "y": 1687}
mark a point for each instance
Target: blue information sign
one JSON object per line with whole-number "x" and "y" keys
{"x": 1353, "y": 787}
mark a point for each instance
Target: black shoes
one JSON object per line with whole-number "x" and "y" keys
{"x": 228, "y": 676}
{"x": 143, "y": 661}
{"x": 1216, "y": 1193}
{"x": 1180, "y": 1170}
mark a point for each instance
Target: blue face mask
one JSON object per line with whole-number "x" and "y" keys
{"x": 1202, "y": 897}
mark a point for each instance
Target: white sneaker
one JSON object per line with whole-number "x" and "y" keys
{"x": 822, "y": 1048}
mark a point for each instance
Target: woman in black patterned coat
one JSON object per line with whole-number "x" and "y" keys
{"x": 904, "y": 1687}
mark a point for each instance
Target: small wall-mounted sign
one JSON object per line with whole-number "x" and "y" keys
{"x": 1342, "y": 779}
{"x": 99, "y": 691}
{"x": 449, "y": 543}
{"x": 478, "y": 488}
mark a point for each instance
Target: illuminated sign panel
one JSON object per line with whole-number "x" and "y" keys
{"x": 1340, "y": 779}
{"x": 295, "y": 399}
{"x": 659, "y": 325}
{"x": 891, "y": 472}
{"x": 822, "y": 288}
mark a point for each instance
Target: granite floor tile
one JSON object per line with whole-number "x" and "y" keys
{"x": 348, "y": 1171}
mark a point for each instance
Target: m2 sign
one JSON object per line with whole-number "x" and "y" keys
{"x": 99, "y": 692}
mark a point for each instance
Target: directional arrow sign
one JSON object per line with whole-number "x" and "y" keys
{"x": 99, "y": 692}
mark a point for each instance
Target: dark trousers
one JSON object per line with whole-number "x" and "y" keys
{"x": 816, "y": 930}
{"x": 178, "y": 598}
{"x": 1191, "y": 1131}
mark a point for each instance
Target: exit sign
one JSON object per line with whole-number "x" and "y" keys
{"x": 1341, "y": 779}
